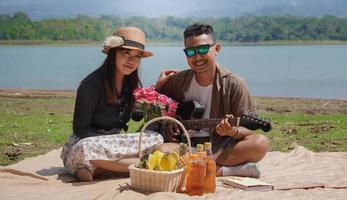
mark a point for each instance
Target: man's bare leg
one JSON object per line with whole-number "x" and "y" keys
{"x": 251, "y": 149}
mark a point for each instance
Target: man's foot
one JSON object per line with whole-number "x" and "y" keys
{"x": 247, "y": 169}
{"x": 84, "y": 175}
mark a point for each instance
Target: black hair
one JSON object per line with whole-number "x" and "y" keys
{"x": 130, "y": 82}
{"x": 199, "y": 29}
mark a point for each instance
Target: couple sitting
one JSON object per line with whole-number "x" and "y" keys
{"x": 104, "y": 104}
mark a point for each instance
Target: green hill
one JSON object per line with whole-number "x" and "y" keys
{"x": 169, "y": 29}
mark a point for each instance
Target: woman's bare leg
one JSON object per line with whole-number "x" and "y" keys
{"x": 115, "y": 166}
{"x": 105, "y": 166}
{"x": 84, "y": 175}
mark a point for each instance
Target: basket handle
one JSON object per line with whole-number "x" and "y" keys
{"x": 161, "y": 118}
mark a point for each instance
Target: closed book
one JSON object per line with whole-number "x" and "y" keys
{"x": 247, "y": 183}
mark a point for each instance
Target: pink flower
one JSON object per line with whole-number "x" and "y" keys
{"x": 148, "y": 95}
{"x": 138, "y": 93}
{"x": 152, "y": 102}
{"x": 164, "y": 113}
{"x": 162, "y": 100}
{"x": 150, "y": 98}
{"x": 171, "y": 113}
{"x": 172, "y": 105}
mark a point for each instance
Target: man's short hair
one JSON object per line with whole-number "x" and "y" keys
{"x": 199, "y": 29}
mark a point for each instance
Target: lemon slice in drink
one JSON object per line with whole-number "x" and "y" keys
{"x": 169, "y": 161}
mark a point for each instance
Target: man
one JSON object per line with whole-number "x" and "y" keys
{"x": 223, "y": 94}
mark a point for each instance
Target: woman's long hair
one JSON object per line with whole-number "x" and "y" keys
{"x": 130, "y": 82}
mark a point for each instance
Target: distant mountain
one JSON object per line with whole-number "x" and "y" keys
{"x": 41, "y": 9}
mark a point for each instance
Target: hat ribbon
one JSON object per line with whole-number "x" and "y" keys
{"x": 116, "y": 41}
{"x": 133, "y": 43}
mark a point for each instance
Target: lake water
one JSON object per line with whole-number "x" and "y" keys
{"x": 317, "y": 71}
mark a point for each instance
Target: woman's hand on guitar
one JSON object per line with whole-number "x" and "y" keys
{"x": 172, "y": 132}
{"x": 225, "y": 129}
{"x": 164, "y": 77}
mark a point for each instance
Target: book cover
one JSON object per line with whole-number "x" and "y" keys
{"x": 247, "y": 183}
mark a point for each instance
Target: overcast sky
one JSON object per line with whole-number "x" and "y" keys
{"x": 38, "y": 9}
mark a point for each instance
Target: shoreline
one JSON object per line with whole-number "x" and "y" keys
{"x": 176, "y": 43}
{"x": 66, "y": 93}
{"x": 261, "y": 103}
{"x": 36, "y": 93}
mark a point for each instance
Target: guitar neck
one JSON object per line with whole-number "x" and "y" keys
{"x": 206, "y": 123}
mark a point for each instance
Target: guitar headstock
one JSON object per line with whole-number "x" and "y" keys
{"x": 253, "y": 121}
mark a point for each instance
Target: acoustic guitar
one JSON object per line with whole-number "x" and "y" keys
{"x": 191, "y": 112}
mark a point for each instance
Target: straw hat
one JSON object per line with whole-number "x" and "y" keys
{"x": 129, "y": 38}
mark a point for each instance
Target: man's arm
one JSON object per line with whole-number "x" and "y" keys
{"x": 224, "y": 128}
{"x": 164, "y": 76}
{"x": 169, "y": 85}
{"x": 239, "y": 103}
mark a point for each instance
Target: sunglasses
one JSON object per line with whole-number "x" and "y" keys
{"x": 201, "y": 49}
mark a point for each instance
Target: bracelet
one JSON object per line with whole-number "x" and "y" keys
{"x": 237, "y": 126}
{"x": 237, "y": 131}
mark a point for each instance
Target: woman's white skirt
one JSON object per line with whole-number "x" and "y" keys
{"x": 77, "y": 152}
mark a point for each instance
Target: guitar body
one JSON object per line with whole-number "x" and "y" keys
{"x": 190, "y": 110}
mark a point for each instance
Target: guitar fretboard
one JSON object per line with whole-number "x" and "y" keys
{"x": 205, "y": 123}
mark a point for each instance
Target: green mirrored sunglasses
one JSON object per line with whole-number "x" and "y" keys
{"x": 201, "y": 49}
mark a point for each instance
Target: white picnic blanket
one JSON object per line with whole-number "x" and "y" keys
{"x": 299, "y": 174}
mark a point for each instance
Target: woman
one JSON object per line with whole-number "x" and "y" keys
{"x": 103, "y": 107}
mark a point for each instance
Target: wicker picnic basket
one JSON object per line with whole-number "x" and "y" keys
{"x": 145, "y": 180}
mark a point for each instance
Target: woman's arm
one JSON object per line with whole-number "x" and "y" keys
{"x": 87, "y": 98}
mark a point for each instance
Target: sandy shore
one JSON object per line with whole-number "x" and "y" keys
{"x": 267, "y": 104}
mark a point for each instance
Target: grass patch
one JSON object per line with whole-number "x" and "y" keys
{"x": 35, "y": 125}
{"x": 316, "y": 132}
{"x": 42, "y": 124}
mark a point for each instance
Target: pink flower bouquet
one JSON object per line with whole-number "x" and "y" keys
{"x": 154, "y": 104}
